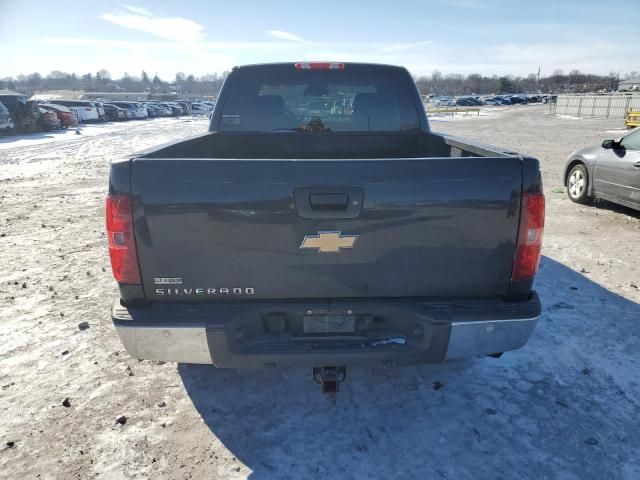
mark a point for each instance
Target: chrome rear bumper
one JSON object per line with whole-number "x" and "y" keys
{"x": 485, "y": 337}
{"x": 171, "y": 344}
{"x": 209, "y": 335}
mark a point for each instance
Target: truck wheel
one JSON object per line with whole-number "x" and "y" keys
{"x": 578, "y": 184}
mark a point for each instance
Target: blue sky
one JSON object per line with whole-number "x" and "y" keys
{"x": 199, "y": 37}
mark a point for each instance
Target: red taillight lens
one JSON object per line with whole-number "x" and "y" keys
{"x": 122, "y": 245}
{"x": 319, "y": 66}
{"x": 529, "y": 236}
{"x": 88, "y": 109}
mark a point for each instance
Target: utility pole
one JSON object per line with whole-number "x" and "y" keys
{"x": 538, "y": 80}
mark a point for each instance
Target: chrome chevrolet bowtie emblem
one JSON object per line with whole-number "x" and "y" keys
{"x": 329, "y": 241}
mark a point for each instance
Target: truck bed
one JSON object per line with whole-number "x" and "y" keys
{"x": 335, "y": 146}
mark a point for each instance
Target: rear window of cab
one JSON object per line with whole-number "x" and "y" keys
{"x": 322, "y": 100}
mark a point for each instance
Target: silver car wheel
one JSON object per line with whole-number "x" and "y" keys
{"x": 577, "y": 183}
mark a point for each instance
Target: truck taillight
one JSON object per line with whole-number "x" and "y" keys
{"x": 319, "y": 66}
{"x": 122, "y": 245}
{"x": 530, "y": 233}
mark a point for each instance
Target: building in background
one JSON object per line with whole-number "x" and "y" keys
{"x": 630, "y": 84}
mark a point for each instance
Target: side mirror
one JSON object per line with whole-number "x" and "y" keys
{"x": 608, "y": 144}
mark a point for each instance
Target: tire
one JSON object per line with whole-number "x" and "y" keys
{"x": 578, "y": 184}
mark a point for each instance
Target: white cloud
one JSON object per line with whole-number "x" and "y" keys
{"x": 164, "y": 45}
{"x": 165, "y": 58}
{"x": 177, "y": 29}
{"x": 282, "y": 35}
{"x": 404, "y": 46}
{"x": 137, "y": 10}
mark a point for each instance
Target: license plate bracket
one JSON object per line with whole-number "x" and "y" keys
{"x": 328, "y": 324}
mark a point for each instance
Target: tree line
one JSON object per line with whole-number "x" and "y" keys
{"x": 209, "y": 85}
{"x": 102, "y": 81}
{"x": 558, "y": 82}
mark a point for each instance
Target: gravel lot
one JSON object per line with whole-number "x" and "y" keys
{"x": 566, "y": 406}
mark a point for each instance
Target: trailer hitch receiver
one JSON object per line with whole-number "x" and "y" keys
{"x": 329, "y": 378}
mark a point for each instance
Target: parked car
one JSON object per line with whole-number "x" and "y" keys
{"x": 503, "y": 99}
{"x": 295, "y": 255}
{"x": 6, "y": 122}
{"x": 66, "y": 116}
{"x": 200, "y": 109}
{"x": 141, "y": 111}
{"x": 445, "y": 102}
{"x": 101, "y": 111}
{"x": 492, "y": 101}
{"x": 48, "y": 120}
{"x": 87, "y": 111}
{"x": 24, "y": 112}
{"x": 154, "y": 111}
{"x": 468, "y": 101}
{"x": 176, "y": 110}
{"x": 186, "y": 107}
{"x": 166, "y": 109}
{"x": 610, "y": 171}
{"x": 114, "y": 113}
{"x": 135, "y": 110}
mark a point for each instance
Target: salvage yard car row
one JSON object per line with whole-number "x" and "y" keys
{"x": 20, "y": 115}
{"x": 472, "y": 101}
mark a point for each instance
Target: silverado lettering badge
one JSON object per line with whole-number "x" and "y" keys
{"x": 207, "y": 292}
{"x": 328, "y": 241}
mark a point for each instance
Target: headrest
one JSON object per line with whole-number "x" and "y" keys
{"x": 269, "y": 104}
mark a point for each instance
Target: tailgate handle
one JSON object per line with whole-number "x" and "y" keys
{"x": 328, "y": 201}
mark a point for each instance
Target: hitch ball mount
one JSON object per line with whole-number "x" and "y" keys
{"x": 329, "y": 378}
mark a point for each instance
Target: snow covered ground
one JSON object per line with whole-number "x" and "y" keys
{"x": 26, "y": 155}
{"x": 564, "y": 407}
{"x": 39, "y": 138}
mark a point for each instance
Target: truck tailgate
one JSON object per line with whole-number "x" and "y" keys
{"x": 211, "y": 229}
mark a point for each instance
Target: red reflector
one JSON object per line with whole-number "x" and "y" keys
{"x": 319, "y": 66}
{"x": 530, "y": 233}
{"x": 88, "y": 109}
{"x": 122, "y": 245}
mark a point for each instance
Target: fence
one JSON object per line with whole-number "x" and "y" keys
{"x": 603, "y": 106}
{"x": 452, "y": 110}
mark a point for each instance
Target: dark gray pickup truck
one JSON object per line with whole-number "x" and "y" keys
{"x": 320, "y": 222}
